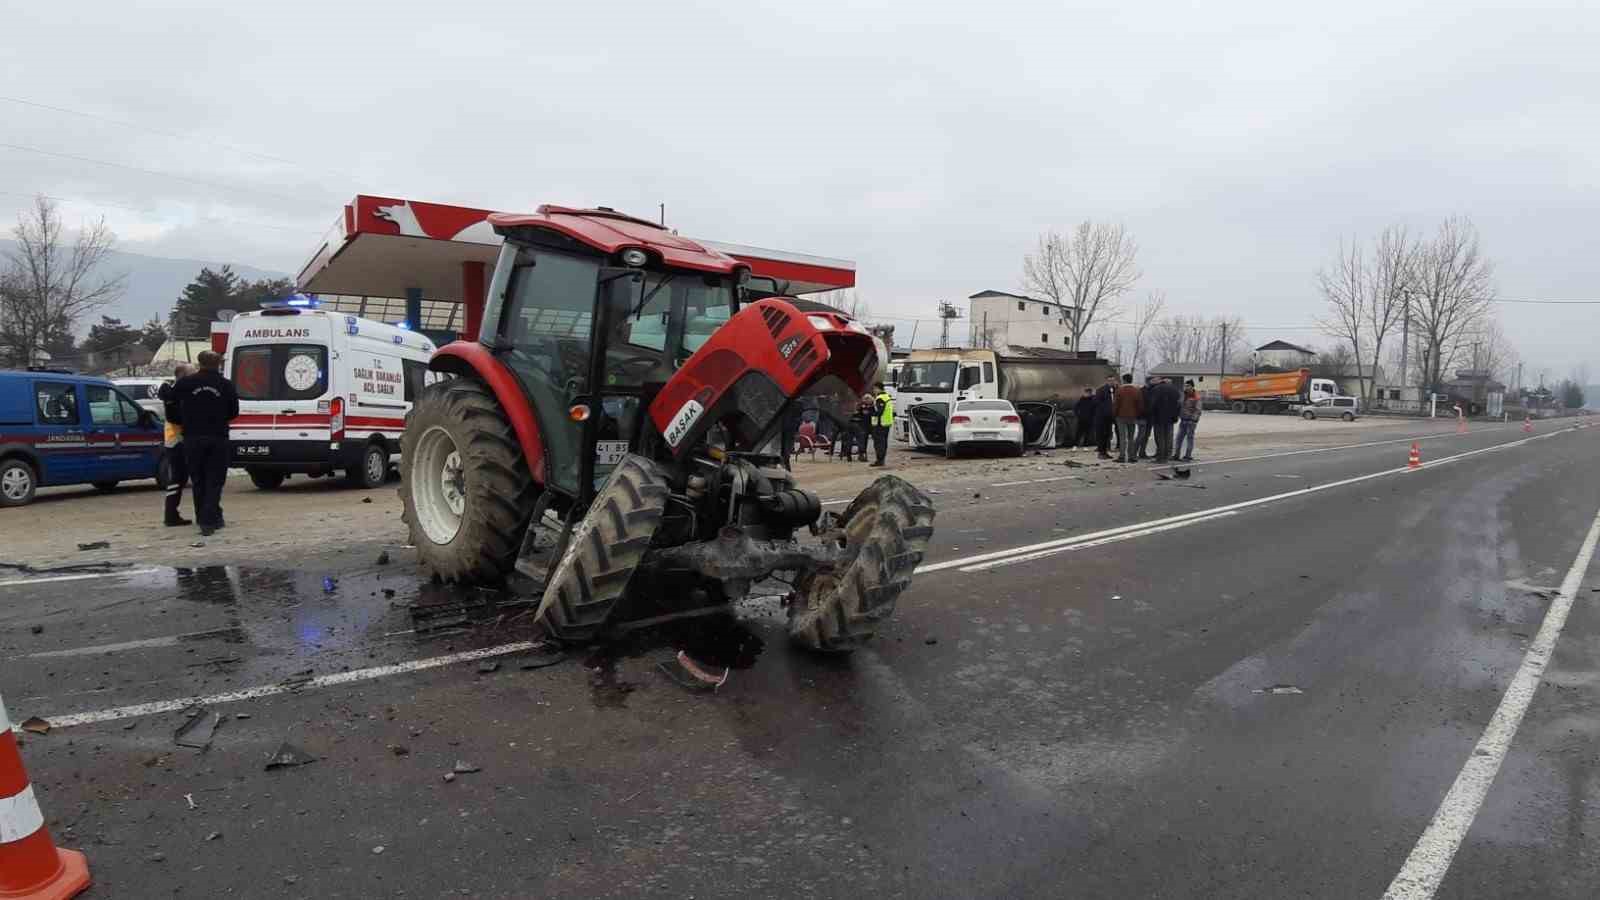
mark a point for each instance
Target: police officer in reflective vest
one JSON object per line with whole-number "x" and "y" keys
{"x": 882, "y": 421}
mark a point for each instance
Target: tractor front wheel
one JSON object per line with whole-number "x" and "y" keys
{"x": 604, "y": 550}
{"x": 467, "y": 491}
{"x": 886, "y": 530}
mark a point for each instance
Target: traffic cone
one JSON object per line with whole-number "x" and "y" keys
{"x": 1527, "y": 425}
{"x": 31, "y": 866}
{"x": 1415, "y": 461}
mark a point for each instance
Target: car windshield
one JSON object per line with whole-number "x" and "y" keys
{"x": 928, "y": 376}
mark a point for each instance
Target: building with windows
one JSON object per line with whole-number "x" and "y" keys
{"x": 1001, "y": 320}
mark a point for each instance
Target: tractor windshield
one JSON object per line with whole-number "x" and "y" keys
{"x": 546, "y": 324}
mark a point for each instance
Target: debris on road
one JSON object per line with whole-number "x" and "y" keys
{"x": 366, "y": 499}
{"x": 287, "y": 755}
{"x": 377, "y": 850}
{"x": 383, "y": 558}
{"x": 213, "y": 835}
{"x": 688, "y": 674}
{"x": 95, "y": 545}
{"x": 449, "y": 777}
{"x": 197, "y": 733}
{"x": 399, "y": 749}
{"x": 189, "y": 799}
{"x": 1074, "y": 464}
{"x": 1278, "y": 689}
{"x": 35, "y": 725}
{"x": 930, "y": 640}
{"x": 488, "y": 666}
{"x": 37, "y": 629}
{"x": 542, "y": 657}
{"x": 329, "y": 584}
{"x": 465, "y": 768}
{"x": 297, "y": 679}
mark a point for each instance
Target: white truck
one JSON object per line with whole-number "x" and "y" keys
{"x": 1042, "y": 384}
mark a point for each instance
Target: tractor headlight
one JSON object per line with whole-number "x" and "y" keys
{"x": 820, "y": 323}
{"x": 635, "y": 257}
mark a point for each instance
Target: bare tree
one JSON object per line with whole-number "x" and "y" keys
{"x": 1338, "y": 358}
{"x": 1194, "y": 339}
{"x": 1394, "y": 258}
{"x": 47, "y": 286}
{"x": 1493, "y": 353}
{"x": 1087, "y": 270}
{"x": 1452, "y": 286}
{"x": 845, "y": 300}
{"x": 1144, "y": 316}
{"x": 1346, "y": 287}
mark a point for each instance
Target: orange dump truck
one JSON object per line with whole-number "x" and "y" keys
{"x": 1275, "y": 392}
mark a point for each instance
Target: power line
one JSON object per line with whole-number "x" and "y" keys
{"x": 97, "y": 203}
{"x": 1549, "y": 302}
{"x": 171, "y": 134}
{"x": 196, "y": 181}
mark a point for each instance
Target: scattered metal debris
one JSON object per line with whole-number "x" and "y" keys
{"x": 688, "y": 674}
{"x": 383, "y": 558}
{"x": 197, "y": 733}
{"x": 488, "y": 666}
{"x": 95, "y": 545}
{"x": 214, "y": 835}
{"x": 366, "y": 499}
{"x": 465, "y": 768}
{"x": 542, "y": 657}
{"x": 1278, "y": 689}
{"x": 329, "y": 584}
{"x": 297, "y": 679}
{"x": 37, "y": 629}
{"x": 399, "y": 749}
{"x": 449, "y": 777}
{"x": 189, "y": 799}
{"x": 378, "y": 849}
{"x": 287, "y": 755}
{"x": 35, "y": 725}
{"x": 930, "y": 640}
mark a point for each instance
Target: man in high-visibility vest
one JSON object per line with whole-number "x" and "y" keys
{"x": 882, "y": 421}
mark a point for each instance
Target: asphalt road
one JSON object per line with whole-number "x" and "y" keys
{"x": 1261, "y": 681}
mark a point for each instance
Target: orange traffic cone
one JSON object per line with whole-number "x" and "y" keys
{"x": 31, "y": 867}
{"x": 1415, "y": 461}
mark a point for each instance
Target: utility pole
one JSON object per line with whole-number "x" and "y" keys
{"x": 1405, "y": 339}
{"x": 1222, "y": 355}
{"x": 663, "y": 215}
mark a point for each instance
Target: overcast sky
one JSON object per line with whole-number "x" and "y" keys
{"x": 929, "y": 143}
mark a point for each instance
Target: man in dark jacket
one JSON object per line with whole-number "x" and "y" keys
{"x": 1083, "y": 417}
{"x": 206, "y": 402}
{"x": 1167, "y": 404}
{"x": 175, "y": 469}
{"x": 1141, "y": 439}
{"x": 1105, "y": 418}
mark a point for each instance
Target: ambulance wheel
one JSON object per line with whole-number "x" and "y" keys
{"x": 266, "y": 479}
{"x": 18, "y": 481}
{"x": 374, "y": 468}
{"x": 467, "y": 491}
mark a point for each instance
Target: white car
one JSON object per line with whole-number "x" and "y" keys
{"x": 1346, "y": 408}
{"x": 983, "y": 423}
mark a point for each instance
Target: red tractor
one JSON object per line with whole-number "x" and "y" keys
{"x": 632, "y": 383}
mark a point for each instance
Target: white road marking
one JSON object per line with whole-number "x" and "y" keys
{"x": 78, "y": 577}
{"x": 170, "y": 640}
{"x": 1430, "y": 859}
{"x": 1125, "y": 536}
{"x": 1035, "y": 481}
{"x": 965, "y": 562}
{"x": 269, "y": 690}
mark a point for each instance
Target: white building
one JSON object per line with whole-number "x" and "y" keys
{"x": 1000, "y": 320}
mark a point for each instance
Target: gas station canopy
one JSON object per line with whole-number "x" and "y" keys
{"x": 389, "y": 247}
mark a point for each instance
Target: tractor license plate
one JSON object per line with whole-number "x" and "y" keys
{"x": 985, "y": 435}
{"x": 609, "y": 453}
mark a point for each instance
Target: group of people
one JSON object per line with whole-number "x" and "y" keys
{"x": 1132, "y": 415}
{"x": 873, "y": 418}
{"x": 199, "y": 404}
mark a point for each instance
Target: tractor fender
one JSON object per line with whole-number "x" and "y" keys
{"x": 472, "y": 359}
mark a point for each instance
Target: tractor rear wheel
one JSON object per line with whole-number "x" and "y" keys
{"x": 467, "y": 491}
{"x": 886, "y": 528}
{"x": 604, "y": 550}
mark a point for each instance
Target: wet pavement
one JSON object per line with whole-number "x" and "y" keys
{"x": 1269, "y": 703}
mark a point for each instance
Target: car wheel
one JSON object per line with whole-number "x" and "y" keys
{"x": 266, "y": 479}
{"x": 1348, "y": 417}
{"x": 374, "y": 468}
{"x": 18, "y": 482}
{"x": 1308, "y": 414}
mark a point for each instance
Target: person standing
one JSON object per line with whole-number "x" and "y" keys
{"x": 1105, "y": 418}
{"x": 1167, "y": 406}
{"x": 1141, "y": 440}
{"x": 177, "y": 468}
{"x": 856, "y": 441}
{"x": 206, "y": 402}
{"x": 883, "y": 420}
{"x": 1083, "y": 417}
{"x": 1129, "y": 409}
{"x": 1188, "y": 421}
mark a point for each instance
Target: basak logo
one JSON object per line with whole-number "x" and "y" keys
{"x": 275, "y": 333}
{"x": 786, "y": 349}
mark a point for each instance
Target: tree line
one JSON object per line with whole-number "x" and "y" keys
{"x": 51, "y": 284}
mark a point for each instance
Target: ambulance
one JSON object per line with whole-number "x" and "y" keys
{"x": 321, "y": 392}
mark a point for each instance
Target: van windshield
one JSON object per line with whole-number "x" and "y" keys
{"x": 927, "y": 376}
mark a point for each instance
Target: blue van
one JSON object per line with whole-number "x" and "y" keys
{"x": 60, "y": 428}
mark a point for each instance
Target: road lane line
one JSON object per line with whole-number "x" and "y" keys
{"x": 964, "y": 562}
{"x": 1129, "y": 535}
{"x": 170, "y": 640}
{"x": 78, "y": 577}
{"x": 1430, "y": 859}
{"x": 269, "y": 690}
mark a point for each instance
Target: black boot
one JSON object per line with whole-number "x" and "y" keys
{"x": 173, "y": 520}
